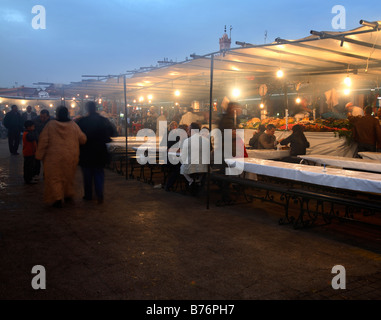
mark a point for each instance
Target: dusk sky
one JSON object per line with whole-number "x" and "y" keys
{"x": 111, "y": 37}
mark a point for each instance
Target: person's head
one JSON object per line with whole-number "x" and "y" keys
{"x": 14, "y": 108}
{"x": 368, "y": 110}
{"x": 297, "y": 128}
{"x": 173, "y": 125}
{"x": 29, "y": 125}
{"x": 349, "y": 106}
{"x": 261, "y": 128}
{"x": 29, "y": 109}
{"x": 44, "y": 115}
{"x": 193, "y": 126}
{"x": 62, "y": 114}
{"x": 270, "y": 129}
{"x": 91, "y": 107}
{"x": 189, "y": 109}
{"x": 379, "y": 113}
{"x": 183, "y": 127}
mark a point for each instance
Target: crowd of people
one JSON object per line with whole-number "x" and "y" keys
{"x": 61, "y": 144}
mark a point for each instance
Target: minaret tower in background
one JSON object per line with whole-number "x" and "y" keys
{"x": 225, "y": 41}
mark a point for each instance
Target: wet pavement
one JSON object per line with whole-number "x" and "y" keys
{"x": 144, "y": 243}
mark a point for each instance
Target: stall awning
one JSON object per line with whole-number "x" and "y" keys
{"x": 322, "y": 59}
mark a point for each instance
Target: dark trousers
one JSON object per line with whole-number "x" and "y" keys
{"x": 173, "y": 175}
{"x": 93, "y": 176}
{"x": 37, "y": 166}
{"x": 13, "y": 140}
{"x": 29, "y": 168}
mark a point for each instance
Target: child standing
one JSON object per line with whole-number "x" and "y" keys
{"x": 29, "y": 141}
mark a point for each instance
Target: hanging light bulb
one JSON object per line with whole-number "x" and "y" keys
{"x": 298, "y": 100}
{"x": 280, "y": 73}
{"x": 236, "y": 92}
{"x": 348, "y": 81}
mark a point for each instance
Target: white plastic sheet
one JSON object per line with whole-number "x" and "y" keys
{"x": 320, "y": 143}
{"x": 344, "y": 162}
{"x": 371, "y": 155}
{"x": 330, "y": 177}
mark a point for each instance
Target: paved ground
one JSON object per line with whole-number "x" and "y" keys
{"x": 144, "y": 243}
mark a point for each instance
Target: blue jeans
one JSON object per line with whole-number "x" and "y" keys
{"x": 96, "y": 175}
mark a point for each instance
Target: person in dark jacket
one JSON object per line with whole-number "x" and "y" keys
{"x": 254, "y": 139}
{"x": 298, "y": 144}
{"x": 40, "y": 123}
{"x": 93, "y": 154}
{"x": 29, "y": 114}
{"x": 12, "y": 121}
{"x": 366, "y": 132}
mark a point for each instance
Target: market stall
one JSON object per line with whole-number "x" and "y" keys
{"x": 328, "y": 137}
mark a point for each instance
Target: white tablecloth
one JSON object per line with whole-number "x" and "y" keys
{"x": 320, "y": 143}
{"x": 331, "y": 177}
{"x": 371, "y": 155}
{"x": 267, "y": 154}
{"x": 344, "y": 162}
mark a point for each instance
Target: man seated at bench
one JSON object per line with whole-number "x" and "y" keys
{"x": 193, "y": 166}
{"x": 298, "y": 144}
{"x": 255, "y": 138}
{"x": 267, "y": 139}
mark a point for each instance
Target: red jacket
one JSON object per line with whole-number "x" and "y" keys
{"x": 29, "y": 143}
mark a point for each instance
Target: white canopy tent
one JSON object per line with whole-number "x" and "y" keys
{"x": 321, "y": 59}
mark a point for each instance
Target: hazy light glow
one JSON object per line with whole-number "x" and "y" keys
{"x": 347, "y": 91}
{"x": 177, "y": 93}
{"x": 298, "y": 100}
{"x": 236, "y": 93}
{"x": 348, "y": 81}
{"x": 280, "y": 73}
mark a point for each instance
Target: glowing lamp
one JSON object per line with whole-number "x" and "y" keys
{"x": 348, "y": 81}
{"x": 236, "y": 93}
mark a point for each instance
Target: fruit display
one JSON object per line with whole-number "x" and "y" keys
{"x": 319, "y": 125}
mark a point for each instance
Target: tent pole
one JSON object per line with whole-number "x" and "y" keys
{"x": 126, "y": 122}
{"x": 210, "y": 125}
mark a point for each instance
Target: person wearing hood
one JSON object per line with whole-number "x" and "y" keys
{"x": 58, "y": 148}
